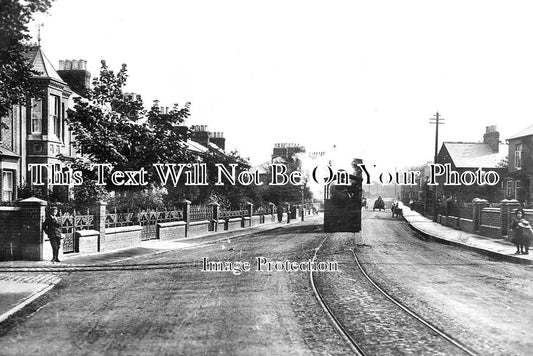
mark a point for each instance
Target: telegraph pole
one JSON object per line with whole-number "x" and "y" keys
{"x": 436, "y": 120}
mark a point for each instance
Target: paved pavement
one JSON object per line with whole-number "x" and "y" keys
{"x": 497, "y": 248}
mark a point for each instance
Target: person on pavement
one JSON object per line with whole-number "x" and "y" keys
{"x": 526, "y": 235}
{"x": 52, "y": 228}
{"x": 279, "y": 211}
{"x": 520, "y": 237}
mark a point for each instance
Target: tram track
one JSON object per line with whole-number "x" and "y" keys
{"x": 336, "y": 323}
{"x": 411, "y": 312}
{"x": 344, "y": 323}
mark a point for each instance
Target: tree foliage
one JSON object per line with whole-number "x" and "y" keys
{"x": 15, "y": 71}
{"x": 114, "y": 128}
{"x": 288, "y": 193}
{"x": 227, "y": 195}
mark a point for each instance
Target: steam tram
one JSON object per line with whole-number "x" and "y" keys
{"x": 342, "y": 206}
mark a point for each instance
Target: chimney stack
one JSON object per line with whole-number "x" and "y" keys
{"x": 492, "y": 138}
{"x": 200, "y": 134}
{"x": 75, "y": 74}
{"x": 218, "y": 139}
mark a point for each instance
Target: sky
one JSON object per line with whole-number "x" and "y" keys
{"x": 364, "y": 77}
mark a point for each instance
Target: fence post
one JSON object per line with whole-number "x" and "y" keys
{"x": 99, "y": 223}
{"x": 32, "y": 215}
{"x": 186, "y": 204}
{"x": 250, "y": 211}
{"x": 216, "y": 214}
{"x": 288, "y": 213}
{"x": 479, "y": 204}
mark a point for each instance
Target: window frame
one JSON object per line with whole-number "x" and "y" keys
{"x": 36, "y": 120}
{"x": 518, "y": 156}
{"x": 10, "y": 193}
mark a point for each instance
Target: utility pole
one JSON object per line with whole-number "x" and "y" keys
{"x": 437, "y": 120}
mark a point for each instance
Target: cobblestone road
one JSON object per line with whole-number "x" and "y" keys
{"x": 377, "y": 325}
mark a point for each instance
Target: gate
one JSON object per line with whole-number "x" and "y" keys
{"x": 149, "y": 220}
{"x": 70, "y": 223}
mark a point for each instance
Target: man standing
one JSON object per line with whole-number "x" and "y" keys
{"x": 279, "y": 211}
{"x": 52, "y": 227}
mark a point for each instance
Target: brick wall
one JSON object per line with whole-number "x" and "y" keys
{"x": 466, "y": 225}
{"x": 171, "y": 230}
{"x": 219, "y": 225}
{"x": 490, "y": 222}
{"x": 490, "y": 217}
{"x": 197, "y": 228}
{"x": 87, "y": 241}
{"x": 257, "y": 219}
{"x": 233, "y": 224}
{"x": 10, "y": 234}
{"x": 121, "y": 237}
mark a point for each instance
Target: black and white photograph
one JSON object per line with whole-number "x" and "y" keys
{"x": 243, "y": 177}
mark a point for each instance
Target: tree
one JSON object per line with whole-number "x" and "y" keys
{"x": 15, "y": 72}
{"x": 287, "y": 193}
{"x": 113, "y": 128}
{"x": 227, "y": 195}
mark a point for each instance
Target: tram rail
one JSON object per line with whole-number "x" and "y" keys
{"x": 354, "y": 344}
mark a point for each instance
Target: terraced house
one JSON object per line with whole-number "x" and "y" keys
{"x": 519, "y": 184}
{"x": 37, "y": 133}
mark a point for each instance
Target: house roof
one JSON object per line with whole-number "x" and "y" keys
{"x": 196, "y": 147}
{"x": 40, "y": 63}
{"x": 475, "y": 154}
{"x": 216, "y": 148}
{"x": 4, "y": 152}
{"x": 525, "y": 132}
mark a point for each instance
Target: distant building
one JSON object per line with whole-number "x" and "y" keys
{"x": 286, "y": 150}
{"x": 519, "y": 184}
{"x": 420, "y": 191}
{"x": 490, "y": 154}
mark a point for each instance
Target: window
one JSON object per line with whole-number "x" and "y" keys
{"x": 53, "y": 111}
{"x": 517, "y": 190}
{"x": 36, "y": 115}
{"x": 7, "y": 186}
{"x": 518, "y": 156}
{"x": 509, "y": 189}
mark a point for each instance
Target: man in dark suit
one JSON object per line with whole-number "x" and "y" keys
{"x": 52, "y": 227}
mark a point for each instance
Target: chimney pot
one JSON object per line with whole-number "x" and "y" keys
{"x": 74, "y": 64}
{"x": 68, "y": 64}
{"x": 492, "y": 138}
{"x": 61, "y": 65}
